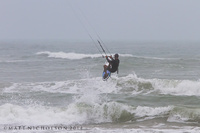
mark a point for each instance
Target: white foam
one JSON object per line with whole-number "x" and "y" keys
{"x": 11, "y": 114}
{"x": 152, "y": 111}
{"x": 73, "y": 56}
{"x": 177, "y": 87}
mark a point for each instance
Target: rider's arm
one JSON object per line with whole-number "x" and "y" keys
{"x": 110, "y": 59}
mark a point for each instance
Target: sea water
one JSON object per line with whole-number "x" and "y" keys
{"x": 56, "y": 86}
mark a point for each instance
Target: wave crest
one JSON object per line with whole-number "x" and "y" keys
{"x": 73, "y": 56}
{"x": 133, "y": 84}
{"x": 128, "y": 84}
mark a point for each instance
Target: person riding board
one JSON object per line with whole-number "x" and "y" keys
{"x": 113, "y": 64}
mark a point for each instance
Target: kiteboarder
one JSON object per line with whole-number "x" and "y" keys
{"x": 113, "y": 64}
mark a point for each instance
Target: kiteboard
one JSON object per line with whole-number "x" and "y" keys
{"x": 105, "y": 77}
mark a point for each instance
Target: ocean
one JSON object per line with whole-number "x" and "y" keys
{"x": 56, "y": 86}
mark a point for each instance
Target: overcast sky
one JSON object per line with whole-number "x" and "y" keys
{"x": 112, "y": 20}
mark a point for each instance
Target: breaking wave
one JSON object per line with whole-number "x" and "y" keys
{"x": 134, "y": 84}
{"x": 74, "y": 56}
{"x": 91, "y": 105}
{"x": 128, "y": 84}
{"x": 81, "y": 112}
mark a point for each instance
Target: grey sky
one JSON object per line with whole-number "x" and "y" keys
{"x": 114, "y": 20}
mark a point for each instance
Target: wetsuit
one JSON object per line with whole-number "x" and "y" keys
{"x": 113, "y": 65}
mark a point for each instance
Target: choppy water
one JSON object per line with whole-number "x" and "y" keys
{"x": 59, "y": 84}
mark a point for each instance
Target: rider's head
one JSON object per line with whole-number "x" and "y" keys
{"x": 116, "y": 56}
